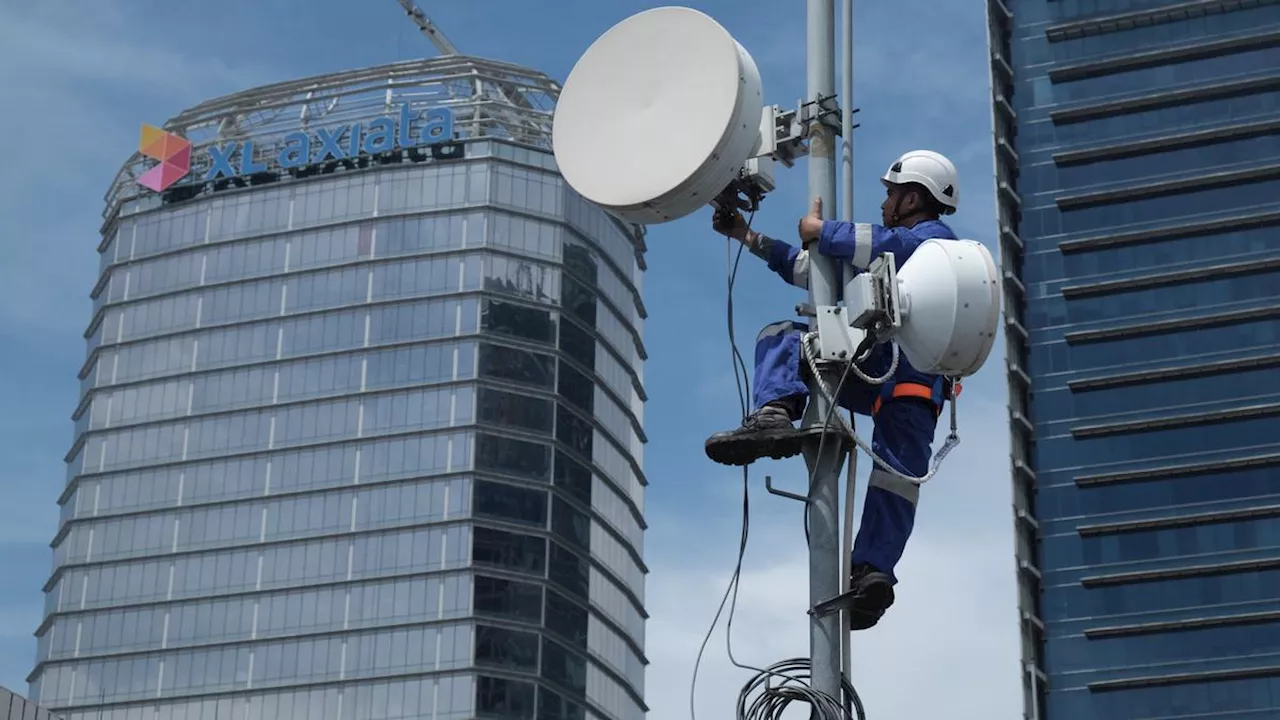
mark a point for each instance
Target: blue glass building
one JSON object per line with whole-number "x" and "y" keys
{"x": 360, "y": 436}
{"x": 16, "y": 707}
{"x": 1137, "y": 149}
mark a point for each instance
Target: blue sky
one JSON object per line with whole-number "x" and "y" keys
{"x": 83, "y": 76}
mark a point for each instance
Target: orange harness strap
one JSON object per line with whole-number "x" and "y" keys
{"x": 909, "y": 390}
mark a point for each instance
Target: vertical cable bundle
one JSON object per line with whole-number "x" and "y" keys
{"x": 788, "y": 681}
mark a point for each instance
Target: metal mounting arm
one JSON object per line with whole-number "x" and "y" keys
{"x": 768, "y": 485}
{"x": 870, "y": 314}
{"x": 784, "y": 138}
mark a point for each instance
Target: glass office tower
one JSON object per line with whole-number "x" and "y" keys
{"x": 16, "y": 707}
{"x": 1138, "y": 163}
{"x": 360, "y": 430}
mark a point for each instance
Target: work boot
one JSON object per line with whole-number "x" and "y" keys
{"x": 767, "y": 432}
{"x": 872, "y": 595}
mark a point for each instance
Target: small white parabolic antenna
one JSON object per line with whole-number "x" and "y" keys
{"x": 658, "y": 116}
{"x": 950, "y": 303}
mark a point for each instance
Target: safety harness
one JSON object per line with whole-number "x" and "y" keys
{"x": 941, "y": 391}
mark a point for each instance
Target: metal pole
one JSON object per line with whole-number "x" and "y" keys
{"x": 824, "y": 491}
{"x": 846, "y": 214}
{"x": 846, "y": 111}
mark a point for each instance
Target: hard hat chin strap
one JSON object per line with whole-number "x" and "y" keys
{"x": 897, "y": 219}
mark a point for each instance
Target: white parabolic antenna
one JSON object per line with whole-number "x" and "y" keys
{"x": 658, "y": 115}
{"x": 950, "y": 303}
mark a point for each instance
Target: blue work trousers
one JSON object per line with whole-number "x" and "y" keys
{"x": 902, "y": 437}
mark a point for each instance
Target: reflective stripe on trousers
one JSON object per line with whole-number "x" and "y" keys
{"x": 902, "y": 437}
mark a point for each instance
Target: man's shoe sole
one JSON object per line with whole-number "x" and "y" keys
{"x": 745, "y": 449}
{"x": 870, "y": 605}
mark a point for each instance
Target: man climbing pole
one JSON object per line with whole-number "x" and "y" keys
{"x": 921, "y": 187}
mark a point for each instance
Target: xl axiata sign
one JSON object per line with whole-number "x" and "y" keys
{"x": 406, "y": 130}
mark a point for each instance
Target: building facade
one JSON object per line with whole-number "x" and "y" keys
{"x": 1138, "y": 176}
{"x": 16, "y": 707}
{"x": 360, "y": 435}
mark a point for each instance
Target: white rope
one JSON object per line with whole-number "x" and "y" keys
{"x": 953, "y": 439}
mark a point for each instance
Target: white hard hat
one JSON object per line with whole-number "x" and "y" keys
{"x": 930, "y": 169}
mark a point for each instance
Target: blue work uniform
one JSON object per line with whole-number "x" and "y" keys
{"x": 903, "y": 429}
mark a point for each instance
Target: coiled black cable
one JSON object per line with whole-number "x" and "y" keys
{"x": 772, "y": 699}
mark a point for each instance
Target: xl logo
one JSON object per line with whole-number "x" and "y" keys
{"x": 300, "y": 149}
{"x": 173, "y": 154}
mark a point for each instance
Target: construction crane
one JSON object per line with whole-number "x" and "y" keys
{"x": 515, "y": 124}
{"x": 428, "y": 28}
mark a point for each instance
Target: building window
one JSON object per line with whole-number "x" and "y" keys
{"x": 576, "y": 387}
{"x": 579, "y": 261}
{"x": 573, "y": 431}
{"x": 505, "y": 699}
{"x": 517, "y": 366}
{"x": 560, "y": 665}
{"x": 513, "y": 457}
{"x": 573, "y": 477}
{"x": 570, "y": 571}
{"x": 509, "y": 599}
{"x": 553, "y": 707}
{"x": 577, "y": 300}
{"x": 578, "y": 344}
{"x": 566, "y": 618}
{"x": 519, "y": 278}
{"x": 571, "y": 524}
{"x": 521, "y": 553}
{"x": 526, "y": 506}
{"x": 522, "y": 412}
{"x": 519, "y": 321}
{"x": 506, "y": 649}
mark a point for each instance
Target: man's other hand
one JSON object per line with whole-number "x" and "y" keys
{"x": 811, "y": 224}
{"x": 730, "y": 224}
